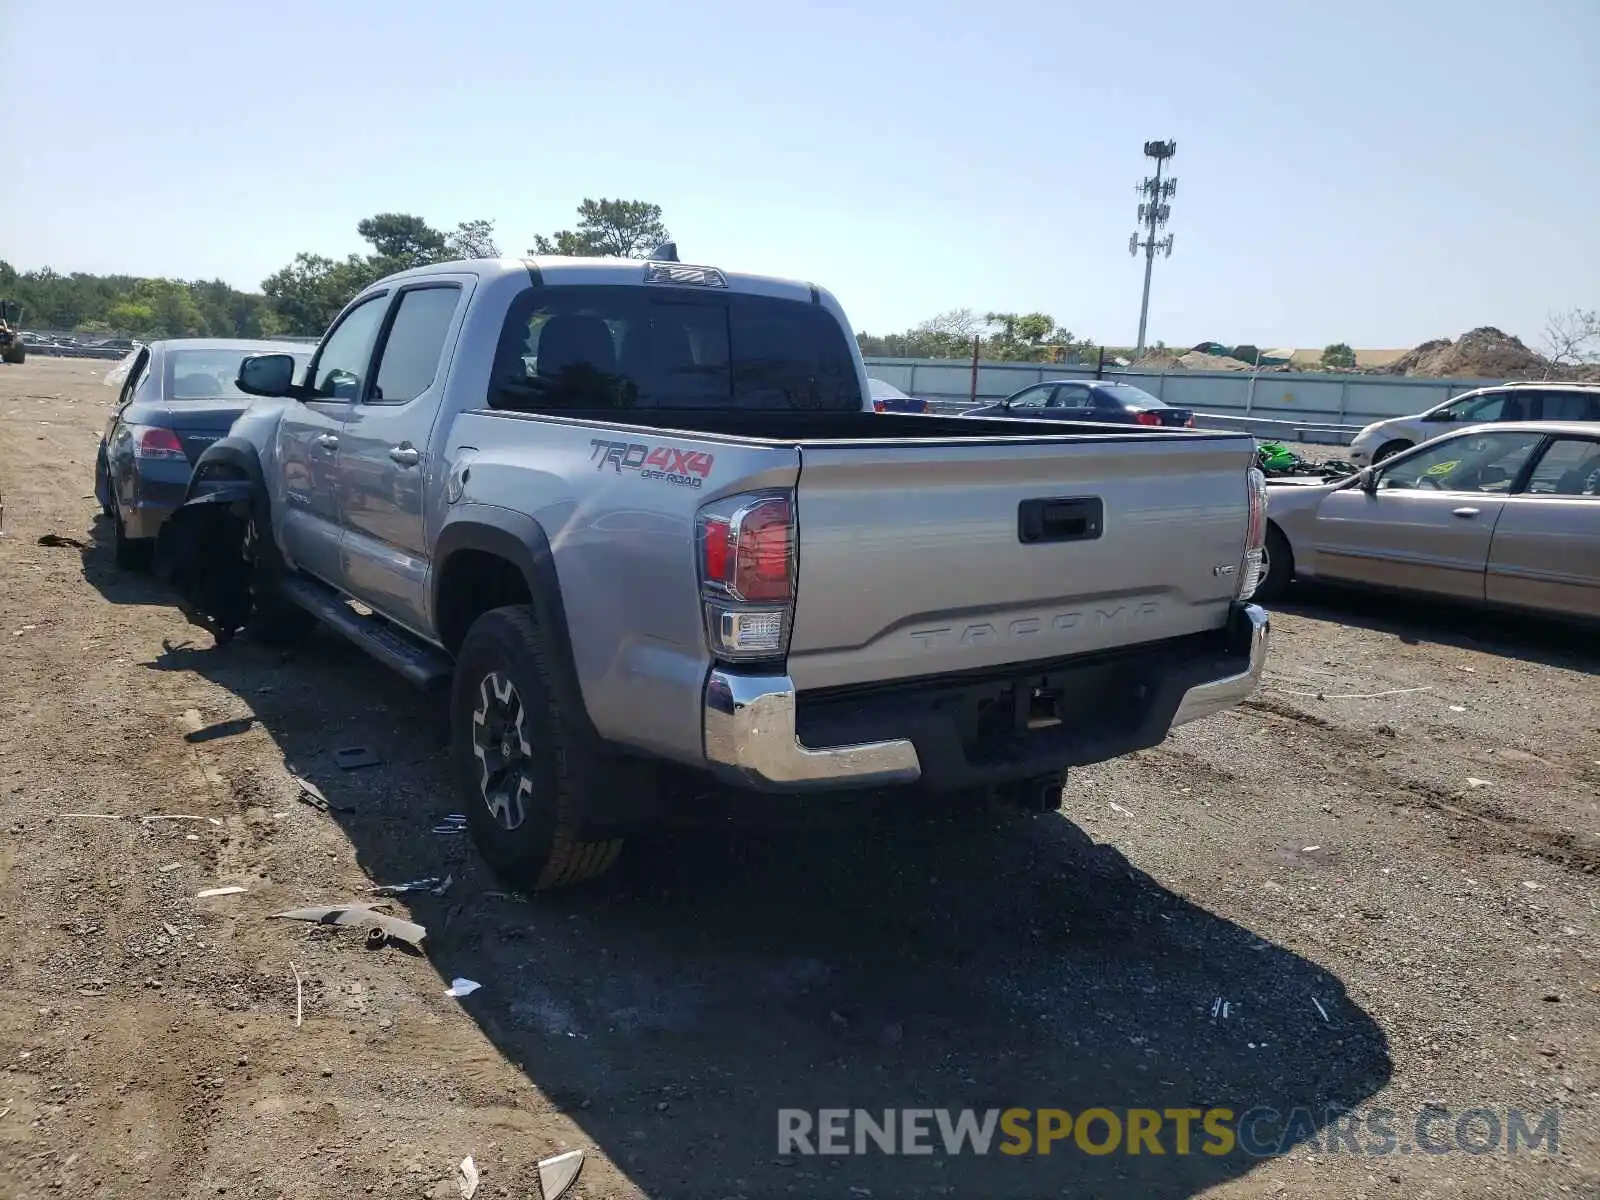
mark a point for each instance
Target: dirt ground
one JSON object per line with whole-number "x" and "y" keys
{"x": 1394, "y": 896}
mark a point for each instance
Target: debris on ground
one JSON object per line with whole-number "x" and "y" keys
{"x": 231, "y": 890}
{"x": 58, "y": 540}
{"x": 451, "y": 823}
{"x": 467, "y": 1178}
{"x": 559, "y": 1173}
{"x": 462, "y": 987}
{"x": 311, "y": 794}
{"x": 299, "y": 997}
{"x": 1277, "y": 461}
{"x": 351, "y": 758}
{"x": 358, "y": 914}
{"x": 434, "y": 883}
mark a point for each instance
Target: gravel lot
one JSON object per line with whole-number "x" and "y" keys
{"x": 1383, "y": 865}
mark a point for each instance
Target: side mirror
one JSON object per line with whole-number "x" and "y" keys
{"x": 267, "y": 375}
{"x": 1367, "y": 481}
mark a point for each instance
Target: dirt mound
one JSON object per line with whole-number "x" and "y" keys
{"x": 1199, "y": 360}
{"x": 1482, "y": 353}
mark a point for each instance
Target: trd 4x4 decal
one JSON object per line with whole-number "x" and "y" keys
{"x": 685, "y": 468}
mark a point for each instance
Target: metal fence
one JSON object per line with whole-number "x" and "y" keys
{"x": 1307, "y": 406}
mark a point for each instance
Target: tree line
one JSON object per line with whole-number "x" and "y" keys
{"x": 303, "y": 297}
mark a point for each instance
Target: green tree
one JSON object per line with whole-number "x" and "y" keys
{"x": 1338, "y": 355}
{"x": 309, "y": 292}
{"x": 403, "y": 239}
{"x": 614, "y": 228}
{"x": 471, "y": 239}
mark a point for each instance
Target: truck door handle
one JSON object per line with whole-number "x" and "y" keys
{"x": 1464, "y": 512}
{"x": 406, "y": 455}
{"x": 328, "y": 441}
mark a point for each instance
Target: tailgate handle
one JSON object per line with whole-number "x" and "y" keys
{"x": 1071, "y": 519}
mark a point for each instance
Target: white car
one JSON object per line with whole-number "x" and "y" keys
{"x": 1503, "y": 402}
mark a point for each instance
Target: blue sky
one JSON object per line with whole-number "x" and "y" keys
{"x": 1368, "y": 172}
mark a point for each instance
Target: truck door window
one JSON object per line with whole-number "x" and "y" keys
{"x": 341, "y": 364}
{"x": 408, "y": 359}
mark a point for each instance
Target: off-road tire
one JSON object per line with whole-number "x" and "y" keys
{"x": 548, "y": 847}
{"x": 274, "y": 619}
{"x": 16, "y": 353}
{"x": 1390, "y": 449}
{"x": 1280, "y": 567}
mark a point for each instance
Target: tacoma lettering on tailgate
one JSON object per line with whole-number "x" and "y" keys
{"x": 685, "y": 468}
{"x": 986, "y": 633}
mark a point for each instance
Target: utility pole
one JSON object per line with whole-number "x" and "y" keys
{"x": 1153, "y": 213}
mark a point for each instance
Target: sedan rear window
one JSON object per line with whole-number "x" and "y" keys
{"x": 1129, "y": 396}
{"x": 610, "y": 347}
{"x": 208, "y": 374}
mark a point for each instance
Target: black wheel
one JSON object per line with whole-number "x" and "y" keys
{"x": 16, "y": 353}
{"x": 1390, "y": 449}
{"x": 130, "y": 554}
{"x": 102, "y": 485}
{"x": 274, "y": 619}
{"x": 1277, "y": 566}
{"x": 526, "y": 775}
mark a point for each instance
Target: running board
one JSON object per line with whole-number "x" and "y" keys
{"x": 422, "y": 665}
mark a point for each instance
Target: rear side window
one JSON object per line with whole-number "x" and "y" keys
{"x": 412, "y": 348}
{"x": 1570, "y": 406}
{"x": 609, "y": 347}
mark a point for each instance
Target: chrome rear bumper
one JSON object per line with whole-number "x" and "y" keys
{"x": 752, "y": 738}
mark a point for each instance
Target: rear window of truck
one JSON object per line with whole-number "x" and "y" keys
{"x": 622, "y": 347}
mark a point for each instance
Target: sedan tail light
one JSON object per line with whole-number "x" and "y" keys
{"x": 747, "y": 567}
{"x": 877, "y": 406}
{"x": 151, "y": 441}
{"x": 1147, "y": 418}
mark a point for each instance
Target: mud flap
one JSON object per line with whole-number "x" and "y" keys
{"x": 200, "y": 554}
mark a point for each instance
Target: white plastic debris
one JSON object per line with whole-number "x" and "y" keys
{"x": 232, "y": 890}
{"x": 1321, "y": 1010}
{"x": 1474, "y": 782}
{"x": 467, "y": 1178}
{"x": 559, "y": 1173}
{"x": 462, "y": 987}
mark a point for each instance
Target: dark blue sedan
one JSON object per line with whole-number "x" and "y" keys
{"x": 177, "y": 397}
{"x": 1089, "y": 400}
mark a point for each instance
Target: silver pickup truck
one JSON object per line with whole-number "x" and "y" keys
{"x": 635, "y": 517}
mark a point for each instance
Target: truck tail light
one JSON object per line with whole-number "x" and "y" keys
{"x": 150, "y": 441}
{"x": 1147, "y": 418}
{"x": 1255, "y": 537}
{"x": 746, "y": 547}
{"x": 878, "y": 406}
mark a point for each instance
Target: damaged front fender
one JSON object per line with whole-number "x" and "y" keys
{"x": 202, "y": 555}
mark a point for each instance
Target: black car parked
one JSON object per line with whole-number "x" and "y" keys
{"x": 1088, "y": 400}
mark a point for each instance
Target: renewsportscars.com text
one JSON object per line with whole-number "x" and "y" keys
{"x": 1259, "y": 1132}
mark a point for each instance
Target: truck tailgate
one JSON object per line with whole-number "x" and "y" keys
{"x": 933, "y": 557}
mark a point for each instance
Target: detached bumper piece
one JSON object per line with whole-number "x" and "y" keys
{"x": 982, "y": 728}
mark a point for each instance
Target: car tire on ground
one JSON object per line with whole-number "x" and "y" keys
{"x": 525, "y": 771}
{"x": 1390, "y": 449}
{"x": 1279, "y": 567}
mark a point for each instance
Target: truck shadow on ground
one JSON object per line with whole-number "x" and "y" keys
{"x": 1424, "y": 619}
{"x": 850, "y": 957}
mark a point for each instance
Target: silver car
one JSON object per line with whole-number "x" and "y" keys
{"x": 1505, "y": 514}
{"x": 1503, "y": 402}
